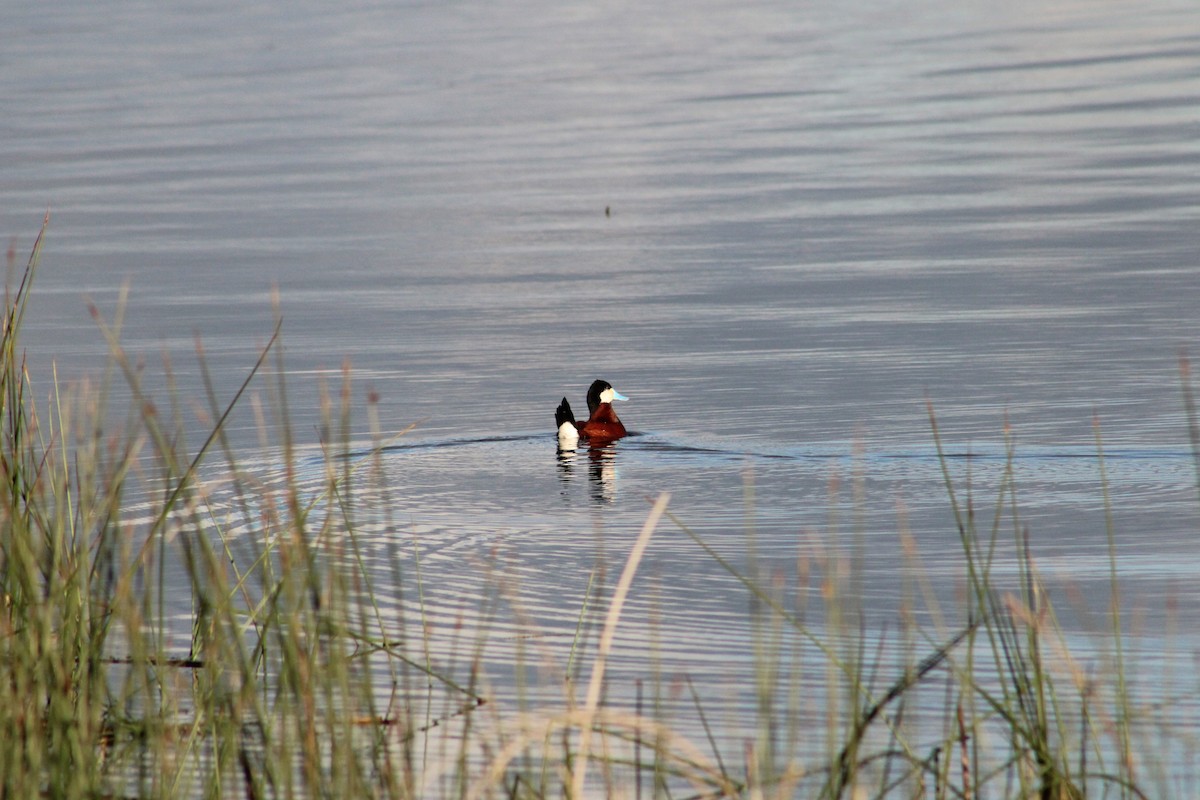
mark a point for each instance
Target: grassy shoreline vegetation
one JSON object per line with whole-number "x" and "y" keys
{"x": 291, "y": 682}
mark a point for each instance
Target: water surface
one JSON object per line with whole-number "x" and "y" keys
{"x": 779, "y": 229}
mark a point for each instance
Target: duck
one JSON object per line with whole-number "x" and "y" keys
{"x": 602, "y": 426}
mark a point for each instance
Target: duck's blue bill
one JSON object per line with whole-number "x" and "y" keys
{"x": 618, "y": 396}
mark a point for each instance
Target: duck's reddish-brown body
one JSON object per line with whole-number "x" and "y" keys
{"x": 602, "y": 424}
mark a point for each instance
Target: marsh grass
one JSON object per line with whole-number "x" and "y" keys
{"x": 292, "y": 674}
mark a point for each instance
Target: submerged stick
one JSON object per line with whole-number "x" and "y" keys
{"x": 901, "y": 686}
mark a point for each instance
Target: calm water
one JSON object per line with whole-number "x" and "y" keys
{"x": 818, "y": 215}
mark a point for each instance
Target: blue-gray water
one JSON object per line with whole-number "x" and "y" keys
{"x": 777, "y": 227}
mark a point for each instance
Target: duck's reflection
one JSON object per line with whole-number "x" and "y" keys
{"x": 601, "y": 462}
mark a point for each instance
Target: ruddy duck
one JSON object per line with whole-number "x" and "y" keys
{"x": 602, "y": 425}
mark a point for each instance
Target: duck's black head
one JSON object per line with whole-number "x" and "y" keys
{"x": 602, "y": 392}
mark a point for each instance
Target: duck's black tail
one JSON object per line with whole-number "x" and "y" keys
{"x": 563, "y": 414}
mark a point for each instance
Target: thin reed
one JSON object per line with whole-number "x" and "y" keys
{"x": 292, "y": 673}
